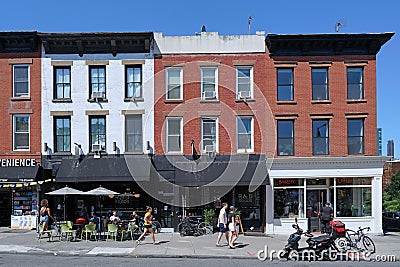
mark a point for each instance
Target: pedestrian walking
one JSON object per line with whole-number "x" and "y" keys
{"x": 148, "y": 226}
{"x": 222, "y": 224}
{"x": 45, "y": 214}
{"x": 232, "y": 227}
{"x": 326, "y": 216}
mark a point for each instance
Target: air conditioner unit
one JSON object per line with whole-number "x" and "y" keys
{"x": 96, "y": 148}
{"x": 244, "y": 94}
{"x": 209, "y": 148}
{"x": 96, "y": 95}
{"x": 209, "y": 95}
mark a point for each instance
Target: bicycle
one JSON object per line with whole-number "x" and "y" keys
{"x": 358, "y": 240}
{"x": 187, "y": 227}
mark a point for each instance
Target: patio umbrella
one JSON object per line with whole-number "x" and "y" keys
{"x": 65, "y": 191}
{"x": 100, "y": 191}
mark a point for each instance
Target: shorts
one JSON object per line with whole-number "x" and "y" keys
{"x": 44, "y": 219}
{"x": 222, "y": 229}
{"x": 232, "y": 227}
{"x": 148, "y": 226}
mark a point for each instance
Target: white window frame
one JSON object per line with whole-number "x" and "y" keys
{"x": 251, "y": 149}
{"x": 29, "y": 79}
{"x": 180, "y": 80}
{"x": 29, "y": 132}
{"x": 251, "y": 80}
{"x": 216, "y": 133}
{"x": 181, "y": 134}
{"x": 125, "y": 134}
{"x": 215, "y": 83}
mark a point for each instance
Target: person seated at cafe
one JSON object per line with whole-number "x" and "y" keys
{"x": 114, "y": 218}
{"x": 135, "y": 218}
{"x": 95, "y": 220}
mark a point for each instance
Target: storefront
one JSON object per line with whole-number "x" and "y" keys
{"x": 20, "y": 181}
{"x": 301, "y": 187}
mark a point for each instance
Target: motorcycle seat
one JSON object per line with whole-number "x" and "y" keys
{"x": 321, "y": 238}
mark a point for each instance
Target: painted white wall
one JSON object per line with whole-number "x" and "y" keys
{"x": 115, "y": 92}
{"x": 209, "y": 42}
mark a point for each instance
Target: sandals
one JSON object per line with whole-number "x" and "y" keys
{"x": 218, "y": 245}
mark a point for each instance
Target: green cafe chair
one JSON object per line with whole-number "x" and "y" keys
{"x": 66, "y": 230}
{"x": 90, "y": 229}
{"x": 112, "y": 231}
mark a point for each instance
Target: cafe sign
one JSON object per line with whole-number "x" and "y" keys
{"x": 4, "y": 163}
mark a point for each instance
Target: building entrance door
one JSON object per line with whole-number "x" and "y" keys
{"x": 315, "y": 200}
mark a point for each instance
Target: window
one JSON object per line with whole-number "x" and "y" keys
{"x": 62, "y": 82}
{"x": 288, "y": 203}
{"x": 285, "y": 84}
{"x": 354, "y": 198}
{"x": 244, "y": 82}
{"x": 133, "y": 77}
{"x": 62, "y": 134}
{"x": 133, "y": 133}
{"x": 320, "y": 84}
{"x": 209, "y": 83}
{"x": 20, "y": 80}
{"x": 97, "y": 82}
{"x": 174, "y": 135}
{"x": 209, "y": 134}
{"x": 355, "y": 83}
{"x": 245, "y": 136}
{"x": 355, "y": 136}
{"x": 21, "y": 132}
{"x": 174, "y": 83}
{"x": 320, "y": 137}
{"x": 285, "y": 138}
{"x": 97, "y": 129}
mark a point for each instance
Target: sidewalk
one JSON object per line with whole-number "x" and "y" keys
{"x": 170, "y": 245}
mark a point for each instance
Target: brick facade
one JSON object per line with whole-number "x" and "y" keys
{"x": 24, "y": 105}
{"x": 391, "y": 168}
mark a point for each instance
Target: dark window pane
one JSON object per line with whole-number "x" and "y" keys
{"x": 285, "y": 137}
{"x": 355, "y": 83}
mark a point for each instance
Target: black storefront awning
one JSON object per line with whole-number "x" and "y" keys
{"x": 93, "y": 170}
{"x": 20, "y": 174}
{"x": 222, "y": 171}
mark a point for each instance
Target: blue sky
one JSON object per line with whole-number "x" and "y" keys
{"x": 229, "y": 17}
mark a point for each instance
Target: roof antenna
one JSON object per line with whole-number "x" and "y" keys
{"x": 340, "y": 24}
{"x": 203, "y": 28}
{"x": 248, "y": 23}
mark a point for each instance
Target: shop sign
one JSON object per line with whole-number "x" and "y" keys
{"x": 288, "y": 182}
{"x": 17, "y": 163}
{"x": 245, "y": 197}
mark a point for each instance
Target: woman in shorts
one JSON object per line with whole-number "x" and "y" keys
{"x": 148, "y": 226}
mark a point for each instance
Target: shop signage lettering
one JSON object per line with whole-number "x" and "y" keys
{"x": 245, "y": 197}
{"x": 17, "y": 162}
{"x": 287, "y": 182}
{"x": 343, "y": 181}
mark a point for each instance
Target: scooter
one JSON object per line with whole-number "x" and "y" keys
{"x": 319, "y": 247}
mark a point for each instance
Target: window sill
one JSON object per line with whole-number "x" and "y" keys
{"x": 321, "y": 102}
{"x": 246, "y": 152}
{"x": 101, "y": 153}
{"x": 173, "y": 101}
{"x": 209, "y": 101}
{"x": 20, "y": 151}
{"x": 134, "y": 153}
{"x": 286, "y": 102}
{"x": 21, "y": 98}
{"x": 356, "y": 101}
{"x": 133, "y": 99}
{"x": 62, "y": 100}
{"x": 62, "y": 154}
{"x": 174, "y": 154}
{"x": 245, "y": 100}
{"x": 97, "y": 100}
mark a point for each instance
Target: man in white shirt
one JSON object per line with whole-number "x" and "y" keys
{"x": 222, "y": 224}
{"x": 114, "y": 218}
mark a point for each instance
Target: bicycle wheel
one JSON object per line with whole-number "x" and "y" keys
{"x": 351, "y": 238}
{"x": 205, "y": 228}
{"x": 368, "y": 244}
{"x": 180, "y": 229}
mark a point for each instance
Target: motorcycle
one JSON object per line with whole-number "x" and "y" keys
{"x": 319, "y": 247}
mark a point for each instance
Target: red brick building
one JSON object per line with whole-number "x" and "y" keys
{"x": 20, "y": 121}
{"x": 310, "y": 117}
